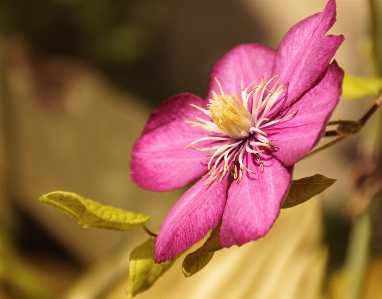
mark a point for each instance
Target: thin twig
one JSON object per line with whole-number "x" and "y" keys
{"x": 362, "y": 121}
{"x": 331, "y": 133}
{"x": 329, "y": 144}
{"x": 372, "y": 110}
{"x": 150, "y": 233}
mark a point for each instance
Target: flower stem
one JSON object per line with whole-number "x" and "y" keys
{"x": 372, "y": 110}
{"x": 147, "y": 231}
{"x": 329, "y": 144}
{"x": 347, "y": 128}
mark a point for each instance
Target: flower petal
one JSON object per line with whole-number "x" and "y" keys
{"x": 254, "y": 203}
{"x": 304, "y": 53}
{"x": 160, "y": 162}
{"x": 246, "y": 62}
{"x": 196, "y": 212}
{"x": 297, "y": 136}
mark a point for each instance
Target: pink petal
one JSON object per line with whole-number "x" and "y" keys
{"x": 254, "y": 204}
{"x": 248, "y": 62}
{"x": 160, "y": 162}
{"x": 297, "y": 136}
{"x": 195, "y": 213}
{"x": 304, "y": 53}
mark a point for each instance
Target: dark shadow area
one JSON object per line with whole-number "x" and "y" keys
{"x": 151, "y": 48}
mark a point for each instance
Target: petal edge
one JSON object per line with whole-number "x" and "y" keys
{"x": 159, "y": 160}
{"x": 196, "y": 212}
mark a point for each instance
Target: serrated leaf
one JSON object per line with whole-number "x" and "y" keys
{"x": 197, "y": 260}
{"x": 143, "y": 271}
{"x": 89, "y": 213}
{"x": 304, "y": 189}
{"x": 358, "y": 87}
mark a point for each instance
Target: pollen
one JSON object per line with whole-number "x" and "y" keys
{"x": 237, "y": 127}
{"x": 230, "y": 115}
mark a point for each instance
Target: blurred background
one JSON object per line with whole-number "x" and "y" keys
{"x": 78, "y": 81}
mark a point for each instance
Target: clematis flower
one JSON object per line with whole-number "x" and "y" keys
{"x": 265, "y": 110}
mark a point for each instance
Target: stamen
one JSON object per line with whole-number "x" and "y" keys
{"x": 260, "y": 162}
{"x": 207, "y": 138}
{"x": 230, "y": 115}
{"x": 205, "y": 111}
{"x": 254, "y": 129}
{"x": 236, "y": 127}
{"x": 279, "y": 120}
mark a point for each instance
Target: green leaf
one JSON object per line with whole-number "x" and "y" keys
{"x": 143, "y": 271}
{"x": 89, "y": 213}
{"x": 303, "y": 189}
{"x": 197, "y": 260}
{"x": 358, "y": 87}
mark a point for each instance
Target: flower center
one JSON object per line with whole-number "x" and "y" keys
{"x": 237, "y": 127}
{"x": 230, "y": 115}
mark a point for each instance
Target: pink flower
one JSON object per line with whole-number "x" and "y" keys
{"x": 265, "y": 110}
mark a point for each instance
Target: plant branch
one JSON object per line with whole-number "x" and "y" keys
{"x": 347, "y": 128}
{"x": 147, "y": 231}
{"x": 372, "y": 110}
{"x": 329, "y": 144}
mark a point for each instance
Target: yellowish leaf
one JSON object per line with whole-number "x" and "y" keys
{"x": 197, "y": 260}
{"x": 89, "y": 213}
{"x": 143, "y": 271}
{"x": 358, "y": 87}
{"x": 304, "y": 189}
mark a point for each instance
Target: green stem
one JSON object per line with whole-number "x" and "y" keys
{"x": 358, "y": 254}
